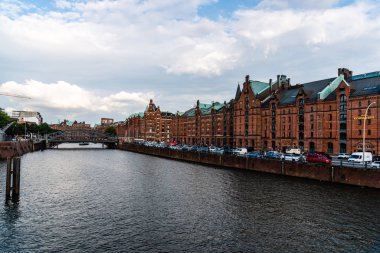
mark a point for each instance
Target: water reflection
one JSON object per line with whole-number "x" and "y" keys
{"x": 110, "y": 200}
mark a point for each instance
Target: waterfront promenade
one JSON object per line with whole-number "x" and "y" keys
{"x": 328, "y": 173}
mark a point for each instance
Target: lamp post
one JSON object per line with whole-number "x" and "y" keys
{"x": 365, "y": 118}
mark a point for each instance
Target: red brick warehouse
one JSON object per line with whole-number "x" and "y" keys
{"x": 325, "y": 115}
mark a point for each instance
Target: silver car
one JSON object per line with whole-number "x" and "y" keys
{"x": 375, "y": 165}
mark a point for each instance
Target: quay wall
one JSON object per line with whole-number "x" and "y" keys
{"x": 18, "y": 148}
{"x": 321, "y": 172}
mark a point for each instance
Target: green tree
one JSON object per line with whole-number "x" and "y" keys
{"x": 110, "y": 130}
{"x": 4, "y": 119}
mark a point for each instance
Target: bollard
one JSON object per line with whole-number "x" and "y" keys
{"x": 13, "y": 179}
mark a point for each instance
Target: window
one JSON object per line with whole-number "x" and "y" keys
{"x": 330, "y": 116}
{"x": 359, "y": 122}
{"x": 369, "y": 132}
{"x": 311, "y": 135}
{"x": 369, "y": 112}
{"x": 312, "y": 126}
{"x": 359, "y": 112}
{"x": 330, "y": 126}
{"x": 330, "y": 147}
{"x": 360, "y": 132}
{"x": 343, "y": 98}
{"x": 360, "y": 103}
{"x": 311, "y": 117}
{"x": 312, "y": 109}
{"x": 369, "y": 122}
{"x": 329, "y": 107}
{"x": 330, "y": 134}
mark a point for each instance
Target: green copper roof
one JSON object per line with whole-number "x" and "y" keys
{"x": 258, "y": 87}
{"x": 138, "y": 114}
{"x": 331, "y": 87}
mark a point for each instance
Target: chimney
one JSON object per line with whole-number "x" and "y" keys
{"x": 346, "y": 73}
{"x": 270, "y": 85}
{"x": 247, "y": 78}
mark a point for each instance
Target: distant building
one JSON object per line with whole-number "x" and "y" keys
{"x": 106, "y": 121}
{"x": 324, "y": 115}
{"x": 66, "y": 124}
{"x": 27, "y": 116}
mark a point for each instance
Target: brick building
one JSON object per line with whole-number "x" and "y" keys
{"x": 325, "y": 115}
{"x": 66, "y": 125}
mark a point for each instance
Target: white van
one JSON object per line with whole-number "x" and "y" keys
{"x": 357, "y": 157}
{"x": 293, "y": 151}
{"x": 239, "y": 151}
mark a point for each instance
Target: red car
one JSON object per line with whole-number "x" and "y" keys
{"x": 318, "y": 158}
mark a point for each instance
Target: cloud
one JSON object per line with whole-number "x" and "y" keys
{"x": 167, "y": 50}
{"x": 72, "y": 98}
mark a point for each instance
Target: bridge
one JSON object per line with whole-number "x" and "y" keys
{"x": 81, "y": 136}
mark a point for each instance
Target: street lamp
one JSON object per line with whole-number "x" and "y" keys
{"x": 365, "y": 118}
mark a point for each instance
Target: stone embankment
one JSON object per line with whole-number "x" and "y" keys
{"x": 328, "y": 173}
{"x": 18, "y": 148}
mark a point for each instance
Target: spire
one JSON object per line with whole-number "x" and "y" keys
{"x": 238, "y": 92}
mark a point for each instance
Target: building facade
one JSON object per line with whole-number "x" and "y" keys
{"x": 325, "y": 115}
{"x": 67, "y": 125}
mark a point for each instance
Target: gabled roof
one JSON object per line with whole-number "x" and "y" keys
{"x": 258, "y": 87}
{"x": 189, "y": 113}
{"x": 238, "y": 92}
{"x": 288, "y": 96}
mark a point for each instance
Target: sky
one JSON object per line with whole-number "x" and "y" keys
{"x": 86, "y": 59}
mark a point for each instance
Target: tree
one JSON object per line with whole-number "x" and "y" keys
{"x": 4, "y": 119}
{"x": 110, "y": 130}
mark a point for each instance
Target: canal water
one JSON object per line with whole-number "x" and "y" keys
{"x": 96, "y": 200}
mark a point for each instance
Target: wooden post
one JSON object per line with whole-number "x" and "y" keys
{"x": 13, "y": 179}
{"x": 16, "y": 179}
{"x": 8, "y": 179}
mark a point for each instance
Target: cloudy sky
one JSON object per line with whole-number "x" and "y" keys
{"x": 87, "y": 59}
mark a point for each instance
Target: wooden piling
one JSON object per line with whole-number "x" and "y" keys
{"x": 8, "y": 179}
{"x": 12, "y": 190}
{"x": 16, "y": 179}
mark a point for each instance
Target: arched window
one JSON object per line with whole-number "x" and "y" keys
{"x": 343, "y": 98}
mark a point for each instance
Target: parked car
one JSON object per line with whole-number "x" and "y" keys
{"x": 202, "y": 149}
{"x": 343, "y": 156}
{"x": 255, "y": 154}
{"x": 376, "y": 158}
{"x": 375, "y": 165}
{"x": 212, "y": 149}
{"x": 357, "y": 157}
{"x": 293, "y": 151}
{"x": 227, "y": 150}
{"x": 273, "y": 155}
{"x": 318, "y": 158}
{"x": 239, "y": 151}
{"x": 219, "y": 151}
{"x": 292, "y": 157}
